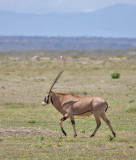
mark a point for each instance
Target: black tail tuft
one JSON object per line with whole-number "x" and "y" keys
{"x": 107, "y": 107}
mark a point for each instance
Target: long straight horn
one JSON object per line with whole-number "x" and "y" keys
{"x": 55, "y": 80}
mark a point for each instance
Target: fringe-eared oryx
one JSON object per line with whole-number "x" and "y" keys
{"x": 69, "y": 106}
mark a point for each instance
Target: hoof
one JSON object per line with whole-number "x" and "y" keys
{"x": 92, "y": 135}
{"x": 114, "y": 134}
{"x": 75, "y": 135}
{"x": 65, "y": 134}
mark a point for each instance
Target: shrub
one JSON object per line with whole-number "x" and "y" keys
{"x": 32, "y": 121}
{"x": 1, "y": 139}
{"x": 83, "y": 131}
{"x": 85, "y": 93}
{"x": 130, "y": 146}
{"x": 42, "y": 138}
{"x": 131, "y": 101}
{"x": 109, "y": 138}
{"x": 115, "y": 75}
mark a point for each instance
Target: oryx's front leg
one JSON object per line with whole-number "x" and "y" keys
{"x": 73, "y": 124}
{"x": 60, "y": 122}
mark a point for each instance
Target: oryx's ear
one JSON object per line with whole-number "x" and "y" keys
{"x": 55, "y": 81}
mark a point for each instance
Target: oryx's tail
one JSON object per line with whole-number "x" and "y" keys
{"x": 107, "y": 107}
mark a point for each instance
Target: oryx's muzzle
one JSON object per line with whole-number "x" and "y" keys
{"x": 46, "y": 100}
{"x": 44, "y": 104}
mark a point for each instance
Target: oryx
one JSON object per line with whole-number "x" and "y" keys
{"x": 69, "y": 106}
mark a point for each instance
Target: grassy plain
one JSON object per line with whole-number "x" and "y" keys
{"x": 30, "y": 131}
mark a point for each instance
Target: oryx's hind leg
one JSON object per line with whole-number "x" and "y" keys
{"x": 73, "y": 124}
{"x": 98, "y": 122}
{"x": 108, "y": 123}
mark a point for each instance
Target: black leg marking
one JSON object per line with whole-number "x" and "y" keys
{"x": 72, "y": 121}
{"x": 63, "y": 131}
{"x": 73, "y": 124}
{"x": 63, "y": 119}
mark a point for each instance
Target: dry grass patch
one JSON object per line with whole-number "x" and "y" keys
{"x": 26, "y": 132}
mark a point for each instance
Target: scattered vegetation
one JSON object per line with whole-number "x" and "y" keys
{"x": 83, "y": 131}
{"x": 32, "y": 121}
{"x": 42, "y": 138}
{"x": 110, "y": 138}
{"x": 130, "y": 146}
{"x": 131, "y": 101}
{"x": 115, "y": 75}
{"x": 30, "y": 131}
{"x": 1, "y": 139}
{"x": 85, "y": 93}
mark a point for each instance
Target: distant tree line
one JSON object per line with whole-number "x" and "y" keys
{"x": 64, "y": 43}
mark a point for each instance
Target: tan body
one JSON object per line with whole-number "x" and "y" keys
{"x": 70, "y": 106}
{"x": 80, "y": 106}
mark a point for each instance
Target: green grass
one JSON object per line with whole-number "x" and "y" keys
{"x": 131, "y": 110}
{"x": 30, "y": 131}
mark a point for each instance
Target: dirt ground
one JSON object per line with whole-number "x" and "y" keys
{"x": 27, "y": 132}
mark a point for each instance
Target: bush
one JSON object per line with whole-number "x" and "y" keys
{"x": 110, "y": 138}
{"x": 1, "y": 139}
{"x": 130, "y": 147}
{"x": 115, "y": 75}
{"x": 85, "y": 93}
{"x": 131, "y": 101}
{"x": 32, "y": 121}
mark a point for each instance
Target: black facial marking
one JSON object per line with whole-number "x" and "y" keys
{"x": 48, "y": 99}
{"x": 44, "y": 99}
{"x": 51, "y": 100}
{"x": 72, "y": 121}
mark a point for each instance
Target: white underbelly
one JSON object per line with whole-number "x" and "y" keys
{"x": 85, "y": 114}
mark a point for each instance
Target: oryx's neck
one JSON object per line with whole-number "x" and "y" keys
{"x": 56, "y": 100}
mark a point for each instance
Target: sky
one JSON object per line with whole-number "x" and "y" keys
{"x": 46, "y": 6}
